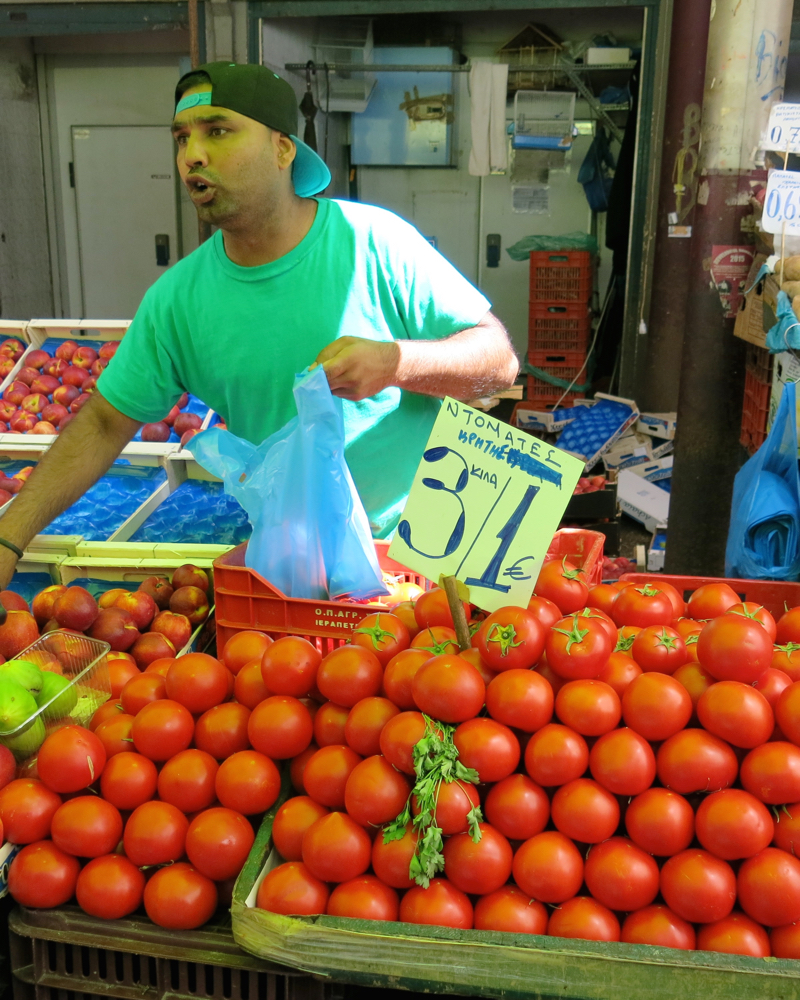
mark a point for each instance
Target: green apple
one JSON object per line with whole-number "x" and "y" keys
{"x": 62, "y": 690}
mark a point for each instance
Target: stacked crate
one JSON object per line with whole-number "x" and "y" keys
{"x": 559, "y": 322}
{"x": 757, "y": 390}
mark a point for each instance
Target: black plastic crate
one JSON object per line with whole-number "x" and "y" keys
{"x": 64, "y": 954}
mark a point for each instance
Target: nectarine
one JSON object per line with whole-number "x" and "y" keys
{"x": 116, "y": 627}
{"x": 150, "y": 646}
{"x": 139, "y": 605}
{"x": 176, "y": 628}
{"x": 44, "y": 601}
{"x": 190, "y": 575}
{"x": 76, "y": 609}
{"x": 190, "y": 601}
{"x": 159, "y": 588}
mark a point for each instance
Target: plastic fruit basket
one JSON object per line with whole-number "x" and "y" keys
{"x": 583, "y": 549}
{"x": 83, "y": 661}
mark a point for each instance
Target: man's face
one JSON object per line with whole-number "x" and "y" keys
{"x": 233, "y": 167}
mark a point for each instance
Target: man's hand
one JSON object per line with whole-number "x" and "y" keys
{"x": 358, "y": 368}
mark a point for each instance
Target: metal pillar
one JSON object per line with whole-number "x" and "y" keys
{"x": 745, "y": 71}
{"x": 658, "y": 390}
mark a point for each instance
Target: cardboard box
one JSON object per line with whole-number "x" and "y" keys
{"x": 660, "y": 447}
{"x": 607, "y": 56}
{"x": 661, "y": 468}
{"x": 541, "y": 420}
{"x": 749, "y": 324}
{"x": 661, "y": 425}
{"x": 785, "y": 368}
{"x": 643, "y": 501}
{"x": 657, "y": 551}
{"x": 631, "y": 449}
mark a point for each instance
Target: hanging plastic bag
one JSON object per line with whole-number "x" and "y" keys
{"x": 785, "y": 334}
{"x": 764, "y": 533}
{"x": 594, "y": 174}
{"x": 311, "y": 535}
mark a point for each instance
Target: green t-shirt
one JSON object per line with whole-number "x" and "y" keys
{"x": 236, "y": 336}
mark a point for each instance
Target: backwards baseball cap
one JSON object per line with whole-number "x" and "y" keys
{"x": 260, "y": 94}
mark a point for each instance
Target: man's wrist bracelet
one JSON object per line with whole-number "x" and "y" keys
{"x": 14, "y": 548}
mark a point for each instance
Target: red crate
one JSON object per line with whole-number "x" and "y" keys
{"x": 583, "y": 549}
{"x": 561, "y": 276}
{"x": 758, "y": 361}
{"x": 774, "y": 595}
{"x": 547, "y": 359}
{"x": 541, "y": 391}
{"x": 559, "y": 327}
{"x": 758, "y": 390}
{"x": 754, "y": 413}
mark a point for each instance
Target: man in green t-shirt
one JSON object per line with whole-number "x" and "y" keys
{"x": 286, "y": 281}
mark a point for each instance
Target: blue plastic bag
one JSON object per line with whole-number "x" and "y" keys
{"x": 764, "y": 533}
{"x": 785, "y": 334}
{"x": 311, "y": 535}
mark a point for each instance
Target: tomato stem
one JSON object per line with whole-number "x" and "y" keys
{"x": 506, "y": 634}
{"x": 375, "y": 632}
{"x": 574, "y": 635}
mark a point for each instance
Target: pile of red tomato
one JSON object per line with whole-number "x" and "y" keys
{"x": 636, "y": 759}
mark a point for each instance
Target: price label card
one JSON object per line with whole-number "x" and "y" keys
{"x": 782, "y": 204}
{"x": 484, "y": 506}
{"x": 783, "y": 131}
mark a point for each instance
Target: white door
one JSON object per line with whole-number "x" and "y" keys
{"x": 127, "y": 210}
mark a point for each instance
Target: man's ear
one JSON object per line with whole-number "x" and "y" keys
{"x": 286, "y": 150}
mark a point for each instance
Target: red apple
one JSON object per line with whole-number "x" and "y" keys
{"x": 45, "y": 384}
{"x": 141, "y": 607}
{"x": 90, "y": 384}
{"x": 24, "y": 422}
{"x": 16, "y": 392}
{"x": 6, "y": 366}
{"x": 80, "y": 402}
{"x": 7, "y": 410}
{"x": 169, "y": 420}
{"x": 185, "y": 422}
{"x": 9, "y": 484}
{"x": 148, "y": 647}
{"x": 116, "y": 627}
{"x": 37, "y": 359}
{"x": 13, "y": 348}
{"x": 66, "y": 350}
{"x": 12, "y": 601}
{"x": 74, "y": 376}
{"x": 5, "y": 496}
{"x": 84, "y": 357}
{"x": 44, "y": 427}
{"x": 43, "y": 602}
{"x": 26, "y": 375}
{"x": 190, "y": 601}
{"x": 65, "y": 394}
{"x": 75, "y": 609}
{"x": 109, "y": 349}
{"x": 189, "y": 575}
{"x": 155, "y": 432}
{"x": 17, "y": 633}
{"x": 98, "y": 366}
{"x": 55, "y": 367}
{"x": 187, "y": 437}
{"x": 159, "y": 588}
{"x": 183, "y": 401}
{"x": 34, "y": 403}
{"x": 53, "y": 413}
{"x": 176, "y": 628}
{"x": 107, "y": 599}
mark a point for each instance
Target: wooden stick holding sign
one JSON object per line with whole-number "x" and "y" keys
{"x": 454, "y": 589}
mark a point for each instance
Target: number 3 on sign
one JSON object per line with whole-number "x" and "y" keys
{"x": 782, "y": 204}
{"x": 485, "y": 503}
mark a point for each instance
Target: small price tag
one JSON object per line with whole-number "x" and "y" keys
{"x": 783, "y": 131}
{"x": 484, "y": 506}
{"x": 782, "y": 204}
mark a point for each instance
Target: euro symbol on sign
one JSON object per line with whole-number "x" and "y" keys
{"x": 516, "y": 571}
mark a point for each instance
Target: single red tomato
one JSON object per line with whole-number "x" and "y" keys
{"x": 772, "y": 683}
{"x": 120, "y": 672}
{"x": 436, "y": 640}
{"x": 564, "y": 584}
{"x": 659, "y": 648}
{"x": 280, "y": 727}
{"x": 585, "y": 811}
{"x": 399, "y": 737}
{"x": 623, "y": 762}
{"x": 487, "y": 746}
{"x": 698, "y": 887}
{"x": 349, "y": 674}
{"x": 661, "y": 822}
{"x": 621, "y": 875}
{"x": 242, "y": 648}
{"x": 180, "y": 898}
{"x": 291, "y": 821}
{"x": 448, "y": 688}
{"x": 678, "y": 603}
{"x": 218, "y": 842}
{"x": 737, "y": 713}
{"x": 382, "y": 634}
{"x": 732, "y": 824}
{"x": 626, "y": 636}
{"x": 87, "y": 827}
{"x": 508, "y": 909}
{"x": 547, "y": 612}
{"x": 696, "y": 681}
{"x": 556, "y": 755}
{"x": 247, "y": 782}
{"x": 656, "y": 706}
{"x": 222, "y": 730}
{"x": 455, "y": 800}
{"x": 755, "y": 612}
{"x": 696, "y": 761}
{"x": 141, "y": 690}
{"x": 736, "y": 934}
{"x": 548, "y": 867}
{"x": 785, "y": 941}
{"x": 590, "y": 707}
{"x": 112, "y": 708}
{"x": 128, "y": 780}
{"x": 289, "y": 666}
{"x": 27, "y": 807}
{"x": 582, "y": 917}
{"x": 336, "y": 848}
{"x": 297, "y": 767}
{"x": 115, "y": 734}
{"x": 248, "y": 686}
{"x": 768, "y": 887}
{"x": 160, "y": 666}
{"x": 330, "y": 722}
{"x": 578, "y": 648}
{"x": 110, "y": 887}
{"x": 733, "y": 648}
{"x": 602, "y": 618}
{"x": 326, "y": 774}
{"x": 43, "y": 876}
{"x": 711, "y": 601}
{"x": 197, "y": 681}
{"x": 786, "y": 828}
{"x": 620, "y": 671}
{"x": 788, "y": 627}
{"x": 187, "y": 781}
{"x": 441, "y": 904}
{"x": 155, "y": 834}
{"x": 511, "y": 639}
{"x": 432, "y": 608}
{"x": 659, "y": 926}
{"x": 642, "y": 606}
{"x": 787, "y": 713}
{"x": 602, "y": 597}
{"x": 293, "y": 890}
{"x": 375, "y": 792}
{"x": 70, "y": 759}
{"x": 478, "y": 868}
{"x": 399, "y": 674}
{"x": 365, "y": 724}
{"x": 364, "y": 898}
{"x": 772, "y": 773}
{"x": 517, "y": 807}
{"x": 552, "y": 678}
{"x": 391, "y": 859}
{"x": 162, "y": 729}
{"x": 520, "y": 698}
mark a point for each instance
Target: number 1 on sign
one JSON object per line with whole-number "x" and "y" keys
{"x": 506, "y": 535}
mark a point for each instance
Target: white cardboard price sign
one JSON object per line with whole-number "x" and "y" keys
{"x": 484, "y": 506}
{"x": 783, "y": 131}
{"x": 782, "y": 203}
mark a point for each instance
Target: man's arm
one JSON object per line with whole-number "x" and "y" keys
{"x": 467, "y": 365}
{"x": 77, "y": 459}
